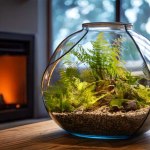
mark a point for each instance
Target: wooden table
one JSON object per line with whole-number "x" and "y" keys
{"x": 47, "y": 135}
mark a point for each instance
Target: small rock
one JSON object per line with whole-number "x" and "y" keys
{"x": 115, "y": 108}
{"x": 144, "y": 81}
{"x": 130, "y": 105}
{"x": 79, "y": 110}
{"x": 123, "y": 111}
{"x": 104, "y": 111}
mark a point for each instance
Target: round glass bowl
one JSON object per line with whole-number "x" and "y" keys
{"x": 97, "y": 82}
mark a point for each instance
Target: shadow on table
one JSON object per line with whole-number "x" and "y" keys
{"x": 63, "y": 140}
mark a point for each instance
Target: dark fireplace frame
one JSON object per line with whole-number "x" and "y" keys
{"x": 19, "y": 44}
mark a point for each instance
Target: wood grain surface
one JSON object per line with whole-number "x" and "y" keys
{"x": 47, "y": 135}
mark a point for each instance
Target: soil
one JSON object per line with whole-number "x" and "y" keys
{"x": 102, "y": 121}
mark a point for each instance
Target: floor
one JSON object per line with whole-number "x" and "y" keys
{"x": 20, "y": 123}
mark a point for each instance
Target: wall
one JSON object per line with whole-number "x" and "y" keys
{"x": 29, "y": 17}
{"x": 41, "y": 58}
{"x": 19, "y": 16}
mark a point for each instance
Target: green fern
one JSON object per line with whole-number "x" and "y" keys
{"x": 104, "y": 58}
{"x": 105, "y": 80}
{"x": 66, "y": 98}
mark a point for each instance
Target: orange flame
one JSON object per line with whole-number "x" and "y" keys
{"x": 13, "y": 79}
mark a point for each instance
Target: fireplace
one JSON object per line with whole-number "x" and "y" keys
{"x": 16, "y": 76}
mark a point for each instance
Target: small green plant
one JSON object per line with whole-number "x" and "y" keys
{"x": 67, "y": 97}
{"x": 103, "y": 59}
{"x": 105, "y": 81}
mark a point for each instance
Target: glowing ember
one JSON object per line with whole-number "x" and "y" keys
{"x": 17, "y": 106}
{"x": 13, "y": 79}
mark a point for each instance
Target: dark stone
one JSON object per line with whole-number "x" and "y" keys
{"x": 130, "y": 105}
{"x": 115, "y": 108}
{"x": 144, "y": 82}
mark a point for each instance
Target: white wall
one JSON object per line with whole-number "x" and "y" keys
{"x": 29, "y": 17}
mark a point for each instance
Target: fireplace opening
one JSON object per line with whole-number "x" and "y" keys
{"x": 16, "y": 76}
{"x": 13, "y": 92}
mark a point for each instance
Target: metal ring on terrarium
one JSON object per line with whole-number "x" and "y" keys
{"x": 97, "y": 83}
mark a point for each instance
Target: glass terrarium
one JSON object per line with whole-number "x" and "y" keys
{"x": 97, "y": 82}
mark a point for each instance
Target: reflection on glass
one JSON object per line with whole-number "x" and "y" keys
{"x": 144, "y": 46}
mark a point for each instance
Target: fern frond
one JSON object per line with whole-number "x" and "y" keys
{"x": 117, "y": 43}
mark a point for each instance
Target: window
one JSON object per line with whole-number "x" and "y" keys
{"x": 68, "y": 15}
{"x": 137, "y": 12}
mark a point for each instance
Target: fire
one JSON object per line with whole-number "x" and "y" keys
{"x": 17, "y": 106}
{"x": 13, "y": 79}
